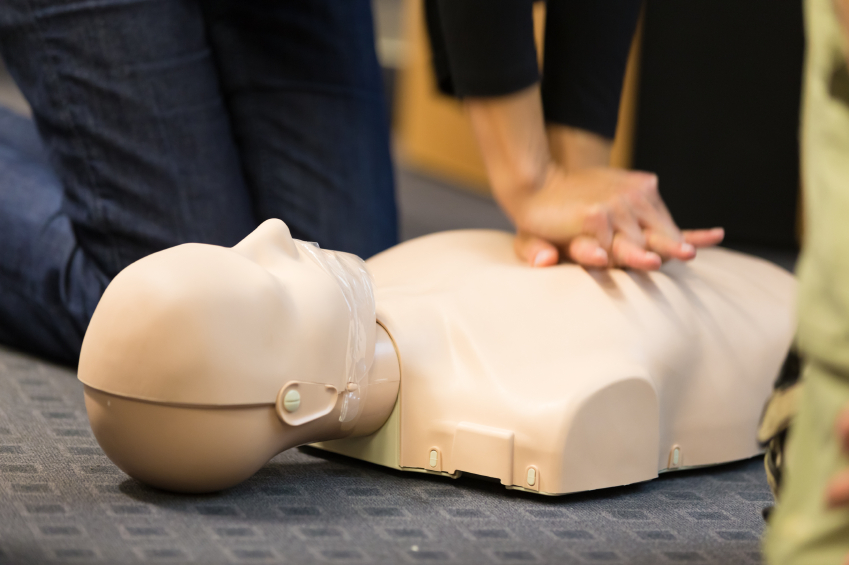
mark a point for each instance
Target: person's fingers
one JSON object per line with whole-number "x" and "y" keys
{"x": 669, "y": 248}
{"x": 599, "y": 225}
{"x": 628, "y": 254}
{"x": 662, "y": 234}
{"x": 650, "y": 209}
{"x": 652, "y": 194}
{"x": 587, "y": 251}
{"x": 704, "y": 238}
{"x": 837, "y": 492}
{"x": 534, "y": 251}
{"x": 625, "y": 221}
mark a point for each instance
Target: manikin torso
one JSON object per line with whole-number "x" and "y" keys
{"x": 590, "y": 378}
{"x": 551, "y": 380}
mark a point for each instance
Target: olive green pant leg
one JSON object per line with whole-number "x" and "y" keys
{"x": 801, "y": 529}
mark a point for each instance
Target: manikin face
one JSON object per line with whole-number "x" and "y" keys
{"x": 211, "y": 326}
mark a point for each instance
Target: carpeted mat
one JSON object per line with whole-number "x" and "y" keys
{"x": 62, "y": 501}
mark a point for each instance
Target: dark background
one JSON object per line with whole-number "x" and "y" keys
{"x": 718, "y": 114}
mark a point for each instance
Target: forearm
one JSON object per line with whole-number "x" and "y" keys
{"x": 511, "y": 135}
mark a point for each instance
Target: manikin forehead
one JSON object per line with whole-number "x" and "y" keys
{"x": 176, "y": 326}
{"x": 204, "y": 325}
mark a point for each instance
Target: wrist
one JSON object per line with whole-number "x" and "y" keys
{"x": 575, "y": 149}
{"x": 531, "y": 207}
{"x": 510, "y": 132}
{"x": 515, "y": 185}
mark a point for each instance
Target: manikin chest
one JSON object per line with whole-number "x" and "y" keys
{"x": 560, "y": 380}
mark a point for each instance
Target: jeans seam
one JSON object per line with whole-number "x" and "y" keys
{"x": 173, "y": 168}
{"x": 170, "y": 63}
{"x": 302, "y": 86}
{"x": 60, "y": 10}
{"x": 65, "y": 114}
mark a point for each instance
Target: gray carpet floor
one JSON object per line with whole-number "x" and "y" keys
{"x": 62, "y": 501}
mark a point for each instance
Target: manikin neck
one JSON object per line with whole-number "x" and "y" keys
{"x": 384, "y": 379}
{"x": 387, "y": 363}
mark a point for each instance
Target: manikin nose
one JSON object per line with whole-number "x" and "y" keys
{"x": 270, "y": 238}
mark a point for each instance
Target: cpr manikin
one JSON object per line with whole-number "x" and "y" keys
{"x": 203, "y": 362}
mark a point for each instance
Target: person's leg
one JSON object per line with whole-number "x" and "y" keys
{"x": 802, "y": 529}
{"x": 303, "y": 85}
{"x": 46, "y": 285}
{"x": 126, "y": 98}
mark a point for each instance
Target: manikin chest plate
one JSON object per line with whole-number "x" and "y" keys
{"x": 562, "y": 379}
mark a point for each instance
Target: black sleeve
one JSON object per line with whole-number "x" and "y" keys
{"x": 586, "y": 51}
{"x": 486, "y": 48}
{"x": 482, "y": 47}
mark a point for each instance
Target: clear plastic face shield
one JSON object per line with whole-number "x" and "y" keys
{"x": 356, "y": 285}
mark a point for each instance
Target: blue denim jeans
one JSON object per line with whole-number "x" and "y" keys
{"x": 173, "y": 121}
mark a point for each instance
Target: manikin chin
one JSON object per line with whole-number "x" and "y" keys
{"x": 202, "y": 362}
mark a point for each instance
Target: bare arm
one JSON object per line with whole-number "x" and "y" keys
{"x": 555, "y": 186}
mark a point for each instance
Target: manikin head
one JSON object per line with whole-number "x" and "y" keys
{"x": 203, "y": 362}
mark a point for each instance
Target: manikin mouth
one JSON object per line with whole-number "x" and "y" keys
{"x": 355, "y": 283}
